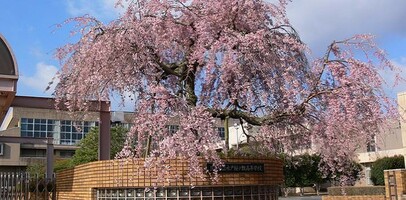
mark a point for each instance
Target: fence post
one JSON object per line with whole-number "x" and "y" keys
{"x": 50, "y": 158}
{"x": 54, "y": 187}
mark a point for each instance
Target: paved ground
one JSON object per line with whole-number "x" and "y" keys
{"x": 301, "y": 198}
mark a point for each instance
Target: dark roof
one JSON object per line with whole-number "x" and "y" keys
{"x": 7, "y": 62}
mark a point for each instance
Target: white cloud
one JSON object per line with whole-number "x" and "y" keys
{"x": 40, "y": 79}
{"x": 101, "y": 9}
{"x": 319, "y": 21}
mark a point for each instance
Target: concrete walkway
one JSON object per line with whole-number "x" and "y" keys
{"x": 301, "y": 198}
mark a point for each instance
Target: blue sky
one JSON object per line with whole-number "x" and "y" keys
{"x": 29, "y": 27}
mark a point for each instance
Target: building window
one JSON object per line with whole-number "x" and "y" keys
{"x": 38, "y": 128}
{"x": 173, "y": 129}
{"x": 1, "y": 149}
{"x": 72, "y": 132}
{"x": 371, "y": 146}
{"x": 185, "y": 193}
{"x": 66, "y": 154}
{"x": 124, "y": 125}
{"x": 277, "y": 146}
{"x": 127, "y": 125}
{"x": 63, "y": 131}
{"x": 33, "y": 153}
{"x": 221, "y": 133}
{"x": 368, "y": 176}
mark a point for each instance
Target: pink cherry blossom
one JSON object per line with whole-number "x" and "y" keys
{"x": 194, "y": 61}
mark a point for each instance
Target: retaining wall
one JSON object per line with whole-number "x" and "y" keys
{"x": 82, "y": 181}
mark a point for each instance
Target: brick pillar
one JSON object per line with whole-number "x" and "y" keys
{"x": 395, "y": 183}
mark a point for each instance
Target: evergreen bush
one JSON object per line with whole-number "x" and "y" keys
{"x": 396, "y": 162}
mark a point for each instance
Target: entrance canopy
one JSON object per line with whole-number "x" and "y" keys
{"x": 8, "y": 77}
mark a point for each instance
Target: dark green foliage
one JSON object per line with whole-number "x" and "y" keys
{"x": 350, "y": 166}
{"x": 302, "y": 170}
{"x": 87, "y": 152}
{"x": 40, "y": 185}
{"x": 356, "y": 169}
{"x": 249, "y": 150}
{"x": 356, "y": 190}
{"x": 396, "y": 162}
{"x": 63, "y": 164}
{"x": 37, "y": 182}
{"x": 88, "y": 147}
{"x": 118, "y": 135}
{"x": 36, "y": 169}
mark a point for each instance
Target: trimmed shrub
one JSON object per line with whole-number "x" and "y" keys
{"x": 377, "y": 177}
{"x": 356, "y": 191}
{"x": 63, "y": 164}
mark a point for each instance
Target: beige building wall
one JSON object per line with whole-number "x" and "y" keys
{"x": 392, "y": 142}
{"x": 36, "y": 113}
{"x": 11, "y": 151}
{"x": 11, "y": 159}
{"x": 388, "y": 143}
{"x": 402, "y": 111}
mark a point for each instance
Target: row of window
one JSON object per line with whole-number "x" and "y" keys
{"x": 197, "y": 193}
{"x": 38, "y": 153}
{"x": 63, "y": 131}
{"x": 69, "y": 132}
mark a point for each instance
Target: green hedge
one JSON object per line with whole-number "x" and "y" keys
{"x": 355, "y": 190}
{"x": 396, "y": 162}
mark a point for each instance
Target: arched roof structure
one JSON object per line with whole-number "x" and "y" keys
{"x": 8, "y": 89}
{"x": 8, "y": 77}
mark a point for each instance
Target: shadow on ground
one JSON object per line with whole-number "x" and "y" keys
{"x": 301, "y": 198}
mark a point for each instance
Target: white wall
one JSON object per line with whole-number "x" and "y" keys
{"x": 236, "y": 135}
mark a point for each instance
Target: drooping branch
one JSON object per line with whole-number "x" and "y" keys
{"x": 225, "y": 59}
{"x": 190, "y": 79}
{"x": 275, "y": 117}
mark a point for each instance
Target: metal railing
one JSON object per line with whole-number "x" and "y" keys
{"x": 23, "y": 186}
